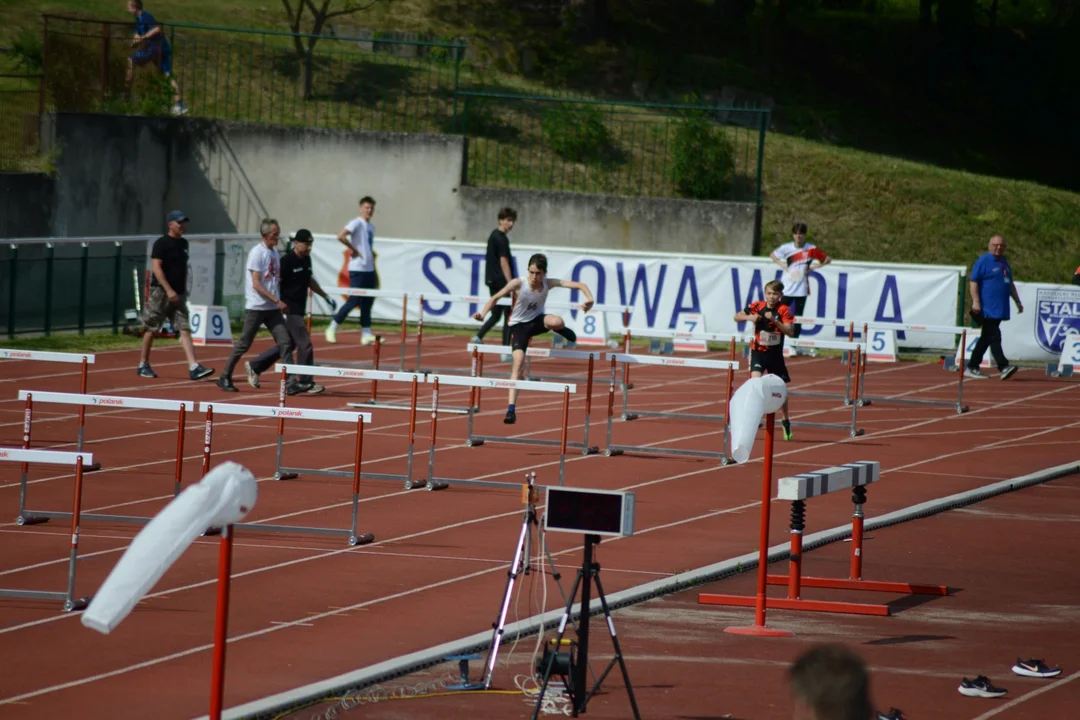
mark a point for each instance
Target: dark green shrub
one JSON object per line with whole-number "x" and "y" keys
{"x": 703, "y": 160}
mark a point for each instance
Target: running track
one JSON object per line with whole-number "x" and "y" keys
{"x": 305, "y": 608}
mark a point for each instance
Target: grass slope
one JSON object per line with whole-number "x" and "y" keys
{"x": 859, "y": 205}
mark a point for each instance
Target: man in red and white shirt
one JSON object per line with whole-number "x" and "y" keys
{"x": 772, "y": 321}
{"x": 798, "y": 259}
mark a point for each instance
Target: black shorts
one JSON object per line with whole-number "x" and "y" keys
{"x": 769, "y": 362}
{"x": 521, "y": 333}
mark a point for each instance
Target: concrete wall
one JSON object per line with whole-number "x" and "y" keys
{"x": 119, "y": 175}
{"x": 26, "y": 204}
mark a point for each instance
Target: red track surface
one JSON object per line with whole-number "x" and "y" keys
{"x": 305, "y": 608}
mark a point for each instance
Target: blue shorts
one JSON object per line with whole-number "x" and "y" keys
{"x": 150, "y": 54}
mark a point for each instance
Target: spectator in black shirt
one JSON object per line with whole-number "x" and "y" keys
{"x": 167, "y": 299}
{"x": 498, "y": 273}
{"x": 296, "y": 278}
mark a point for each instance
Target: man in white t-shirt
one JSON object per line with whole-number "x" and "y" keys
{"x": 263, "y": 306}
{"x": 798, "y": 259}
{"x": 359, "y": 237}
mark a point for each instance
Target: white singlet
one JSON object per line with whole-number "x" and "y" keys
{"x": 530, "y": 303}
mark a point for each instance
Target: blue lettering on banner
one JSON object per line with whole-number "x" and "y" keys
{"x": 428, "y": 257}
{"x": 841, "y": 305}
{"x": 688, "y": 281}
{"x": 599, "y": 288}
{"x": 891, "y": 294}
{"x": 756, "y": 291}
{"x": 474, "y": 277}
{"x": 642, "y": 280}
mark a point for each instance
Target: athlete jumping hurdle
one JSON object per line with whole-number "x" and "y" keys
{"x": 771, "y": 322}
{"x": 528, "y": 318}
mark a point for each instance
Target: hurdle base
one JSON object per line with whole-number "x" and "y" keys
{"x": 867, "y": 585}
{"x": 474, "y": 442}
{"x": 845, "y": 608}
{"x": 759, "y": 631}
{"x": 361, "y": 539}
{"x": 92, "y": 467}
{"x": 674, "y": 452}
{"x": 628, "y": 417}
{"x": 613, "y": 452}
{"x": 28, "y": 519}
{"x": 73, "y": 605}
{"x": 286, "y": 475}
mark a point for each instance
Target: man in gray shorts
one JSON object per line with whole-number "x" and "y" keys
{"x": 168, "y": 296}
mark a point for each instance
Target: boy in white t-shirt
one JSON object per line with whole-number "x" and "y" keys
{"x": 798, "y": 259}
{"x": 263, "y": 306}
{"x": 359, "y": 237}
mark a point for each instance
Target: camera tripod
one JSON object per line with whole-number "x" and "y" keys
{"x": 521, "y": 565}
{"x": 587, "y": 574}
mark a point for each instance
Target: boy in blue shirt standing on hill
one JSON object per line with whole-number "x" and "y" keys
{"x": 153, "y": 47}
{"x": 991, "y": 284}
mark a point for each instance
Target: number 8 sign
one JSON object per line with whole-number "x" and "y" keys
{"x": 209, "y": 325}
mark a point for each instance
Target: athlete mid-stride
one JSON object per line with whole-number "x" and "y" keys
{"x": 528, "y": 318}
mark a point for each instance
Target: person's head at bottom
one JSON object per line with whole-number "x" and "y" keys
{"x": 830, "y": 682}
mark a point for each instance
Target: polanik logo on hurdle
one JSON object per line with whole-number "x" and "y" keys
{"x": 1058, "y": 316}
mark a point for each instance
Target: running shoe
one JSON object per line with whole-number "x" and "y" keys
{"x": 975, "y": 374}
{"x": 315, "y": 389}
{"x": 1008, "y": 371}
{"x": 787, "y": 431}
{"x": 252, "y": 376}
{"x": 331, "y": 334}
{"x": 295, "y": 387}
{"x": 367, "y": 339}
{"x": 511, "y": 417}
{"x": 146, "y": 372}
{"x": 1034, "y": 668}
{"x": 477, "y": 340}
{"x": 199, "y": 372}
{"x": 226, "y": 384}
{"x": 980, "y": 687}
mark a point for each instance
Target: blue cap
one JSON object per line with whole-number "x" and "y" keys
{"x": 176, "y": 216}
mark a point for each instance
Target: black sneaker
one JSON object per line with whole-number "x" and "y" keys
{"x": 1034, "y": 668}
{"x": 975, "y": 374}
{"x": 980, "y": 687}
{"x": 511, "y": 417}
{"x": 146, "y": 372}
{"x": 296, "y": 387}
{"x": 893, "y": 714}
{"x": 199, "y": 372}
{"x": 1008, "y": 371}
{"x": 225, "y": 383}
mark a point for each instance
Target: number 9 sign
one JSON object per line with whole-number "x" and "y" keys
{"x": 209, "y": 325}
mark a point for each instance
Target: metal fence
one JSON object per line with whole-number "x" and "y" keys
{"x": 616, "y": 148}
{"x": 256, "y": 75}
{"x": 22, "y": 99}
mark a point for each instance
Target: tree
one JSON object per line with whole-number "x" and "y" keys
{"x": 319, "y": 17}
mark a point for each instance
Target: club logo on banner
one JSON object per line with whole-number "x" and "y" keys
{"x": 1058, "y": 316}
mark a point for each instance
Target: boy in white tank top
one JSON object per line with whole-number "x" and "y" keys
{"x": 529, "y": 319}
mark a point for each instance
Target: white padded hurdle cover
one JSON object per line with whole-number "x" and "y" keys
{"x": 756, "y": 398}
{"x": 823, "y": 482}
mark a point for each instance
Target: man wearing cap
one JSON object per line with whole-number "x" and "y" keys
{"x": 262, "y": 304}
{"x": 168, "y": 296}
{"x": 296, "y": 278}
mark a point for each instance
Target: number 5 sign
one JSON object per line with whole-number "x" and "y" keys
{"x": 209, "y": 325}
{"x": 881, "y": 345}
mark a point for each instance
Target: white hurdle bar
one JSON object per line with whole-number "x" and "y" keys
{"x": 364, "y": 292}
{"x": 285, "y": 473}
{"x": 907, "y": 327}
{"x": 627, "y": 359}
{"x": 81, "y": 359}
{"x": 478, "y": 350}
{"x": 51, "y": 457}
{"x": 112, "y": 402}
{"x": 414, "y": 380}
{"x": 440, "y": 483}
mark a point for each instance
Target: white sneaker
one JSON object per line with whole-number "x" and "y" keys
{"x": 367, "y": 339}
{"x": 331, "y": 334}
{"x": 252, "y": 376}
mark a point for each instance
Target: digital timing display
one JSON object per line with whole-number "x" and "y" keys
{"x": 584, "y": 512}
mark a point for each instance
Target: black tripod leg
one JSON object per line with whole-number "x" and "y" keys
{"x": 555, "y": 652}
{"x": 615, "y": 642}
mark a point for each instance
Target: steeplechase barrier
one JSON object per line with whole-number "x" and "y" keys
{"x": 436, "y": 380}
{"x": 856, "y": 476}
{"x": 112, "y": 402}
{"x": 627, "y": 414}
{"x": 51, "y": 457}
{"x": 81, "y": 359}
{"x": 286, "y": 473}
{"x": 877, "y": 335}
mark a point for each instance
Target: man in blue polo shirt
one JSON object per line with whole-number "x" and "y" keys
{"x": 992, "y": 285}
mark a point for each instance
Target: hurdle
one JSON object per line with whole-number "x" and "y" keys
{"x": 288, "y": 473}
{"x": 949, "y": 364}
{"x": 856, "y": 476}
{"x": 180, "y": 407}
{"x": 51, "y": 457}
{"x": 478, "y": 350}
{"x": 440, "y": 483}
{"x": 83, "y": 360}
{"x": 363, "y": 292}
{"x": 613, "y": 450}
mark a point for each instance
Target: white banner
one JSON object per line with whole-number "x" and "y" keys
{"x": 202, "y": 266}
{"x": 1050, "y": 313}
{"x": 659, "y": 287}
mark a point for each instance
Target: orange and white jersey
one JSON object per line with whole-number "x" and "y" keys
{"x": 799, "y": 260}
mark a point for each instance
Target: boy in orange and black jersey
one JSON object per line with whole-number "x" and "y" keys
{"x": 771, "y": 322}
